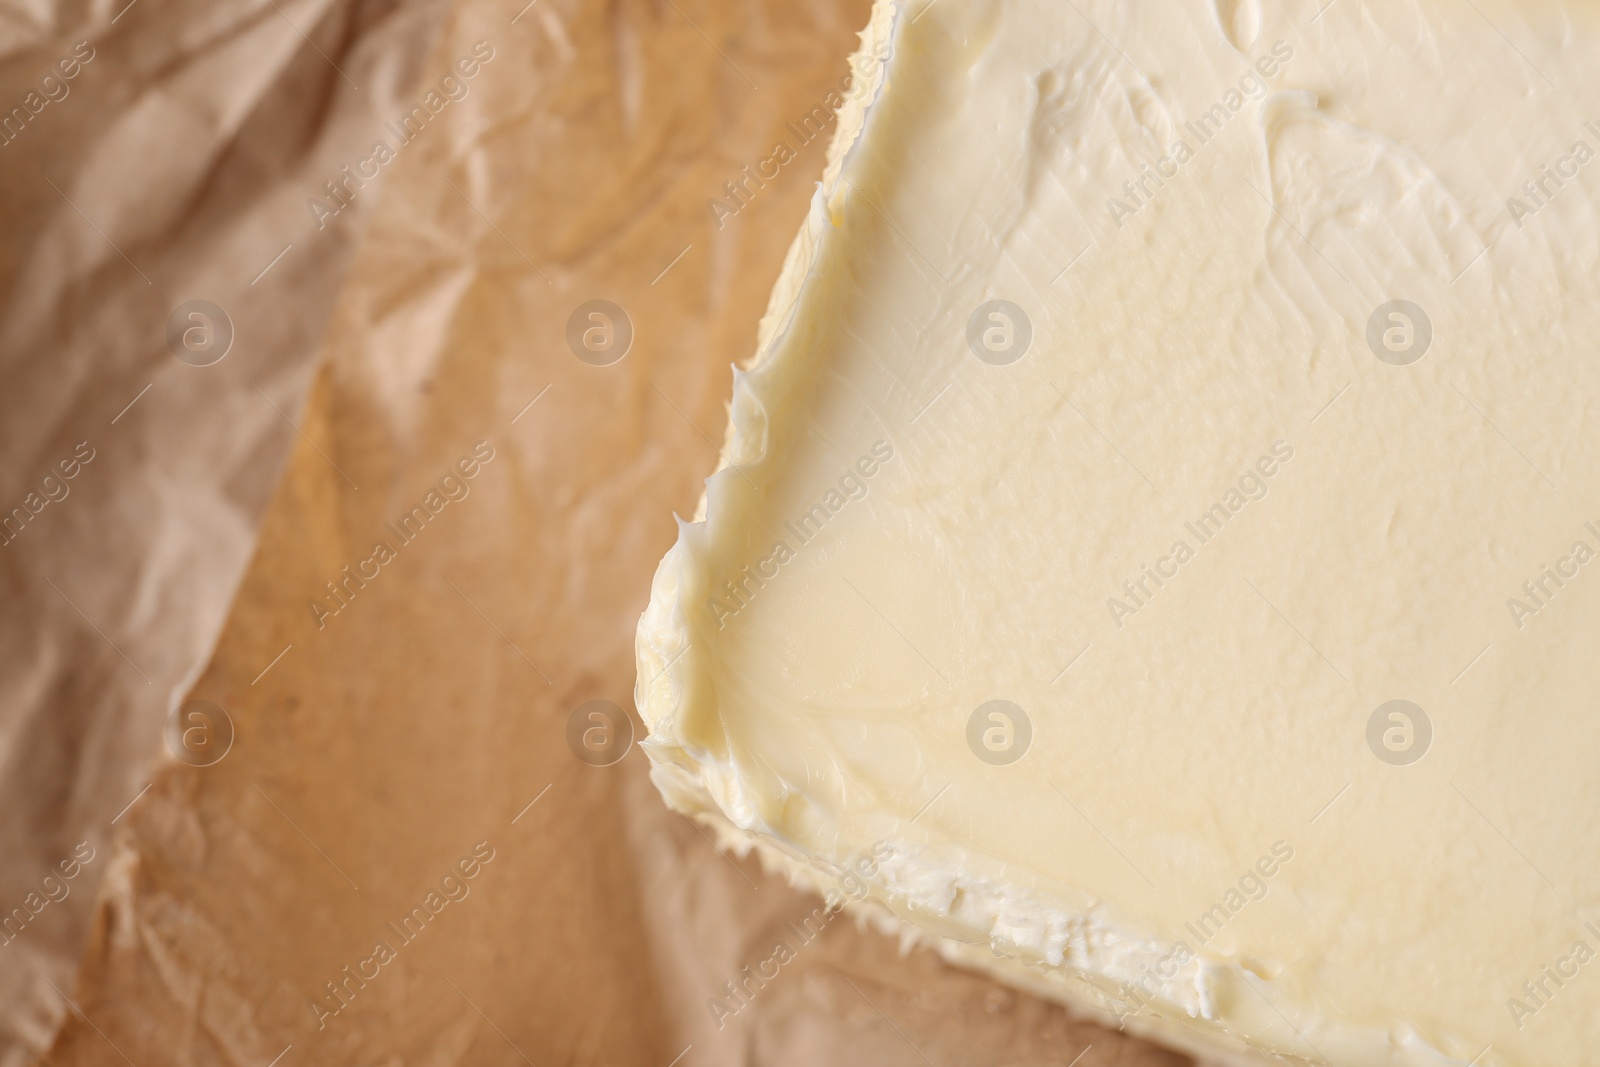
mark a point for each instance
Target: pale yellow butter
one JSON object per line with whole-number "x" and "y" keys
{"x": 1160, "y": 522}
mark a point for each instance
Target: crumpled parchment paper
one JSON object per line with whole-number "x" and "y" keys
{"x": 150, "y": 154}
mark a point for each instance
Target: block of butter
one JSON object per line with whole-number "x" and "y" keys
{"x": 1156, "y": 551}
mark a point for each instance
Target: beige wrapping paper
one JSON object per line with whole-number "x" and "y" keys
{"x": 150, "y": 154}
{"x": 401, "y": 859}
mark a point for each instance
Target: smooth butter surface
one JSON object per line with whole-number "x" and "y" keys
{"x": 1198, "y": 502}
